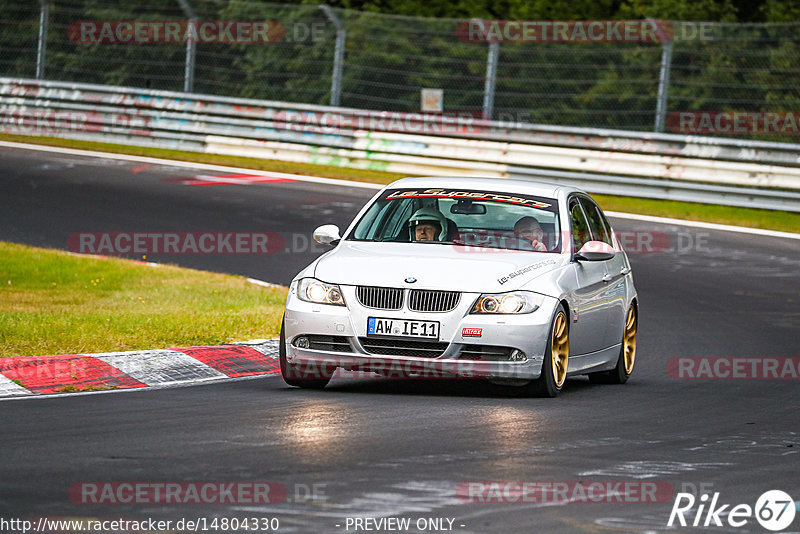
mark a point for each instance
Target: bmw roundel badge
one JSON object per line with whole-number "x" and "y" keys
{"x": 410, "y": 279}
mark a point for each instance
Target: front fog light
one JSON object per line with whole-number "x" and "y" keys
{"x": 517, "y": 356}
{"x": 302, "y": 342}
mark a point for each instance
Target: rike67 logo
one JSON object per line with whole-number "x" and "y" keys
{"x": 774, "y": 510}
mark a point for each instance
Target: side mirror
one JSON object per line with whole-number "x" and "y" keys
{"x": 327, "y": 234}
{"x": 595, "y": 251}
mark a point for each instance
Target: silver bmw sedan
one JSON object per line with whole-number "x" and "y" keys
{"x": 517, "y": 282}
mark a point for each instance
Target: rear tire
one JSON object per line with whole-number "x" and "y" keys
{"x": 556, "y": 358}
{"x": 627, "y": 353}
{"x": 289, "y": 371}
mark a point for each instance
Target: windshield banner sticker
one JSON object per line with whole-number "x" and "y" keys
{"x": 475, "y": 195}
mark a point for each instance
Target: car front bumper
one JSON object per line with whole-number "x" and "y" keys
{"x": 469, "y": 344}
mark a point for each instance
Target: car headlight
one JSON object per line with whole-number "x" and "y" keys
{"x": 507, "y": 303}
{"x": 312, "y": 290}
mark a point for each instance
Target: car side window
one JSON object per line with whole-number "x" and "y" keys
{"x": 386, "y": 221}
{"x": 595, "y": 220}
{"x": 607, "y": 224}
{"x": 394, "y": 224}
{"x": 373, "y": 216}
{"x": 580, "y": 228}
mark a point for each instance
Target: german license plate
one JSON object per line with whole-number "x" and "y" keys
{"x": 379, "y": 326}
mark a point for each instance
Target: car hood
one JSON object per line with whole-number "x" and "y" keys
{"x": 434, "y": 266}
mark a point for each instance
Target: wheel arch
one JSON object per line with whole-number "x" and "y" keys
{"x": 563, "y": 302}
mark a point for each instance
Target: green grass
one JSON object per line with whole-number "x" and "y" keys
{"x": 755, "y": 218}
{"x": 784, "y": 221}
{"x": 54, "y": 302}
{"x": 73, "y": 389}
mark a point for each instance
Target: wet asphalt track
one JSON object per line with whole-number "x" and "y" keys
{"x": 381, "y": 449}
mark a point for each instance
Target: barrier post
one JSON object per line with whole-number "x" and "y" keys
{"x": 338, "y": 54}
{"x": 491, "y": 79}
{"x": 191, "y": 46}
{"x": 663, "y": 85}
{"x": 44, "y": 16}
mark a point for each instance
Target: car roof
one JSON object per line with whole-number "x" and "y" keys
{"x": 502, "y": 185}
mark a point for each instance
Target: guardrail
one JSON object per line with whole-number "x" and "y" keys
{"x": 702, "y": 169}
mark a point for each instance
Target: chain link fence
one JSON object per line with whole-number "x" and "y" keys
{"x": 320, "y": 55}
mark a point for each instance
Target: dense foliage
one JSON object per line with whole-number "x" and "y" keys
{"x": 747, "y": 59}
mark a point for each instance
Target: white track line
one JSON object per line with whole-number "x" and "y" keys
{"x": 265, "y": 284}
{"x": 364, "y": 185}
{"x": 188, "y": 164}
{"x": 710, "y": 226}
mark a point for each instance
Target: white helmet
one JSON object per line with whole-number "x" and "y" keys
{"x": 431, "y": 216}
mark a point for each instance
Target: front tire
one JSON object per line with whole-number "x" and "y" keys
{"x": 556, "y": 358}
{"x": 627, "y": 353}
{"x": 289, "y": 372}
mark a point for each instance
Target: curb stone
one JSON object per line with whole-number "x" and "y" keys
{"x": 78, "y": 373}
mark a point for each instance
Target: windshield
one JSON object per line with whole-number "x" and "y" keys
{"x": 463, "y": 217}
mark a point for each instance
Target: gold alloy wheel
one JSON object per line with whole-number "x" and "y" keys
{"x": 629, "y": 340}
{"x": 559, "y": 349}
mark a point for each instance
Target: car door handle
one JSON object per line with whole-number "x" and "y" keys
{"x": 607, "y": 277}
{"x": 625, "y": 270}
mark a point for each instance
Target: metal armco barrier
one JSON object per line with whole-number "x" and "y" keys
{"x": 702, "y": 169}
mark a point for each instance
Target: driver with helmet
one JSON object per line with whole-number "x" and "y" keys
{"x": 428, "y": 224}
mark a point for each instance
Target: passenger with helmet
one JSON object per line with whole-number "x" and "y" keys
{"x": 428, "y": 224}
